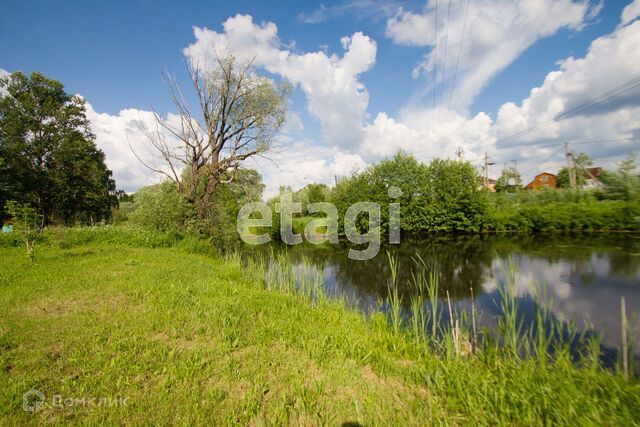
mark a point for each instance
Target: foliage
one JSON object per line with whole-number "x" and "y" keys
{"x": 454, "y": 202}
{"x": 48, "y": 157}
{"x": 581, "y": 161}
{"x": 219, "y": 219}
{"x": 317, "y": 193}
{"x": 566, "y": 217}
{"x": 160, "y": 207}
{"x": 509, "y": 181}
{"x": 310, "y": 193}
{"x": 441, "y": 196}
{"x": 623, "y": 184}
{"x": 239, "y": 113}
{"x": 121, "y": 214}
{"x": 27, "y": 224}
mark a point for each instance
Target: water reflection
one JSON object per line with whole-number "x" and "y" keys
{"x": 584, "y": 277}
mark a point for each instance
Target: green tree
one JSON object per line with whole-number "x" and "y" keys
{"x": 441, "y": 196}
{"x": 27, "y": 224}
{"x": 317, "y": 193}
{"x": 401, "y": 179}
{"x": 48, "y": 157}
{"x": 624, "y": 183}
{"x": 220, "y": 222}
{"x": 161, "y": 207}
{"x": 582, "y": 161}
{"x": 453, "y": 201}
{"x": 239, "y": 113}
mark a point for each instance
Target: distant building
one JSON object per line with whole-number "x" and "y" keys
{"x": 491, "y": 184}
{"x": 592, "y": 178}
{"x": 544, "y": 179}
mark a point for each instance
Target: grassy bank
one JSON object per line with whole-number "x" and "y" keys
{"x": 188, "y": 337}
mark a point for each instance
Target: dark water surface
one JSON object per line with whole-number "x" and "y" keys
{"x": 584, "y": 277}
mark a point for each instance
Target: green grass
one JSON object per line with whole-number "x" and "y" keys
{"x": 192, "y": 338}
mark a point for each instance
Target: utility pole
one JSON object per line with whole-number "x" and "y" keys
{"x": 459, "y": 153}
{"x": 485, "y": 169}
{"x": 570, "y": 165}
{"x": 517, "y": 175}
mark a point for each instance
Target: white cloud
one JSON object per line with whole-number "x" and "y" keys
{"x": 116, "y": 136}
{"x": 631, "y": 12}
{"x": 334, "y": 94}
{"x": 293, "y": 123}
{"x": 496, "y": 33}
{"x": 339, "y": 100}
{"x": 426, "y": 134}
{"x": 302, "y": 163}
{"x": 374, "y": 10}
{"x": 3, "y": 73}
{"x": 611, "y": 60}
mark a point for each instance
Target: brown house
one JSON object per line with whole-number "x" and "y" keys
{"x": 544, "y": 179}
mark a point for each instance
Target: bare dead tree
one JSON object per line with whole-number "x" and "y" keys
{"x": 238, "y": 114}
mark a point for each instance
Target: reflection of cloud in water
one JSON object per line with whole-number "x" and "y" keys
{"x": 584, "y": 291}
{"x": 584, "y": 276}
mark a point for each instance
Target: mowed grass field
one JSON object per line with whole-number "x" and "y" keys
{"x": 186, "y": 338}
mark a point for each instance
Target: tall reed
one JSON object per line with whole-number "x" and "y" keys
{"x": 418, "y": 314}
{"x": 510, "y": 327}
{"x": 394, "y": 297}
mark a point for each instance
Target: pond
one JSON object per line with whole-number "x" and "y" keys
{"x": 583, "y": 277}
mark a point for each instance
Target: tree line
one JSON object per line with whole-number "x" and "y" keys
{"x": 445, "y": 196}
{"x": 48, "y": 156}
{"x": 49, "y": 160}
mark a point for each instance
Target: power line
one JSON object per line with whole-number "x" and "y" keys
{"x": 555, "y": 153}
{"x": 455, "y": 74}
{"x": 435, "y": 59}
{"x": 607, "y": 95}
{"x": 618, "y": 90}
{"x": 606, "y": 140}
{"x": 446, "y": 44}
{"x": 550, "y": 142}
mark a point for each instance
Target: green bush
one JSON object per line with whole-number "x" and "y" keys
{"x": 442, "y": 196}
{"x": 122, "y": 213}
{"x": 566, "y": 217}
{"x": 161, "y": 207}
{"x": 69, "y": 237}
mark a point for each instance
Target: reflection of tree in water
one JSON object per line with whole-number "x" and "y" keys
{"x": 625, "y": 264}
{"x": 606, "y": 263}
{"x": 462, "y": 262}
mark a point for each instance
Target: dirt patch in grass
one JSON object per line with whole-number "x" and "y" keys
{"x": 393, "y": 385}
{"x": 49, "y": 307}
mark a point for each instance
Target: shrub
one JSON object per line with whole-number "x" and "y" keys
{"x": 161, "y": 207}
{"x": 125, "y": 209}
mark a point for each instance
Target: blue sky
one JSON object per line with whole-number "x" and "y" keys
{"x": 113, "y": 53}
